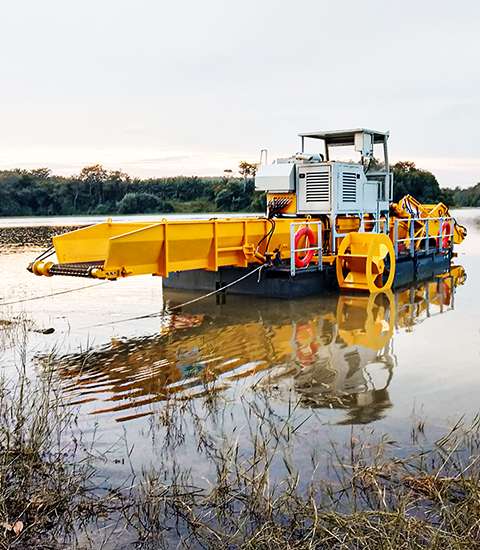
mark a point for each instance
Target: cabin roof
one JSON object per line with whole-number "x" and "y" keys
{"x": 345, "y": 137}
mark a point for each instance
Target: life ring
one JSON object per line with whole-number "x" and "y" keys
{"x": 446, "y": 293}
{"x": 444, "y": 233}
{"x": 305, "y": 353}
{"x": 308, "y": 233}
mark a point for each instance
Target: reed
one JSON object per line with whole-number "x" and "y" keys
{"x": 371, "y": 499}
{"x": 46, "y": 492}
{"x": 227, "y": 476}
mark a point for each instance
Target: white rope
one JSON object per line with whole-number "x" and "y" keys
{"x": 259, "y": 268}
{"x": 54, "y": 294}
{"x": 158, "y": 313}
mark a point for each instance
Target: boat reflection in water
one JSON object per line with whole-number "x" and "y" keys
{"x": 334, "y": 352}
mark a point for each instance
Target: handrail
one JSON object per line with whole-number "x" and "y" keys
{"x": 425, "y": 235}
{"x": 293, "y": 250}
{"x": 378, "y": 222}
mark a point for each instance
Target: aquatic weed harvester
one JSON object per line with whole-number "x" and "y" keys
{"x": 327, "y": 221}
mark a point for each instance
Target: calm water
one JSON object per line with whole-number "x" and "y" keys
{"x": 338, "y": 361}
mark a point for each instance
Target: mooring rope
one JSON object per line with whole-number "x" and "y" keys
{"x": 259, "y": 268}
{"x": 156, "y": 314}
{"x": 52, "y": 295}
{"x": 168, "y": 309}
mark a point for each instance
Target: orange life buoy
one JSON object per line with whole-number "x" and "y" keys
{"x": 444, "y": 234}
{"x": 308, "y": 233}
{"x": 306, "y": 352}
{"x": 446, "y": 293}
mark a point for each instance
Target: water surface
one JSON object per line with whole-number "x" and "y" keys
{"x": 123, "y": 352}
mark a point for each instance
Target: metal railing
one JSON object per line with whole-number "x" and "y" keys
{"x": 423, "y": 234}
{"x": 380, "y": 225}
{"x": 293, "y": 250}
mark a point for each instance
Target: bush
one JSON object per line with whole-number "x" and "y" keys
{"x": 139, "y": 203}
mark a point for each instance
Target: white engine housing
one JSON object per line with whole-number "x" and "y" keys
{"x": 321, "y": 187}
{"x": 339, "y": 187}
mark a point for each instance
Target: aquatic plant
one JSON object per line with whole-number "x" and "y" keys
{"x": 370, "y": 499}
{"x": 248, "y": 489}
{"x": 47, "y": 491}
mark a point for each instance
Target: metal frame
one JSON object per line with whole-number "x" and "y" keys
{"x": 347, "y": 138}
{"x": 377, "y": 227}
{"x": 378, "y": 223}
{"x": 412, "y": 239}
{"x": 293, "y": 250}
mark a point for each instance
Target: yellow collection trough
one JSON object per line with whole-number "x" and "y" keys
{"x": 110, "y": 250}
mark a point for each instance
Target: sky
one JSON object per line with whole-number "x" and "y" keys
{"x": 164, "y": 88}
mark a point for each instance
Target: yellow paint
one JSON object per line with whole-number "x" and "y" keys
{"x": 291, "y": 207}
{"x": 162, "y": 248}
{"x": 360, "y": 262}
{"x": 125, "y": 249}
{"x": 431, "y": 211}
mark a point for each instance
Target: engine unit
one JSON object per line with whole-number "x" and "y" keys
{"x": 321, "y": 187}
{"x": 334, "y": 186}
{"x": 329, "y": 186}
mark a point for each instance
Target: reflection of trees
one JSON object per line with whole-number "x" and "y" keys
{"x": 13, "y": 238}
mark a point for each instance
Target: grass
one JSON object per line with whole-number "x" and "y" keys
{"x": 227, "y": 480}
{"x": 46, "y": 492}
{"x": 370, "y": 500}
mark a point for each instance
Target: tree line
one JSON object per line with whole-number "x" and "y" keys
{"x": 99, "y": 191}
{"x": 422, "y": 184}
{"x": 96, "y": 190}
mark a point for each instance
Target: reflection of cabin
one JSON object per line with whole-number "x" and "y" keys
{"x": 337, "y": 357}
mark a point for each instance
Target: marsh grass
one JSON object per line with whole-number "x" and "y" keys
{"x": 46, "y": 493}
{"x": 258, "y": 498}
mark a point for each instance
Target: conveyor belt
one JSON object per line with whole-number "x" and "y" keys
{"x": 79, "y": 269}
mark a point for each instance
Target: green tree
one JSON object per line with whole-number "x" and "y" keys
{"x": 247, "y": 169}
{"x": 467, "y": 197}
{"x": 41, "y": 173}
{"x": 237, "y": 196}
{"x": 410, "y": 180}
{"x": 140, "y": 203}
{"x": 94, "y": 177}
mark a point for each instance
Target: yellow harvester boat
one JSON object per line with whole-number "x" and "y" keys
{"x": 326, "y": 222}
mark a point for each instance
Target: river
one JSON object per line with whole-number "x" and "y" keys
{"x": 329, "y": 363}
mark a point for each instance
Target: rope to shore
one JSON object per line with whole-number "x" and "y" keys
{"x": 156, "y": 314}
{"x": 168, "y": 309}
{"x": 259, "y": 268}
{"x": 52, "y": 295}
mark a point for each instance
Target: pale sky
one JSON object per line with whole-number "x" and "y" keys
{"x": 159, "y": 88}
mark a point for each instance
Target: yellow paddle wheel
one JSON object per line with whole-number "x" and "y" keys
{"x": 365, "y": 261}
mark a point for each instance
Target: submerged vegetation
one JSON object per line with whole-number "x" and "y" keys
{"x": 98, "y": 191}
{"x": 227, "y": 475}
